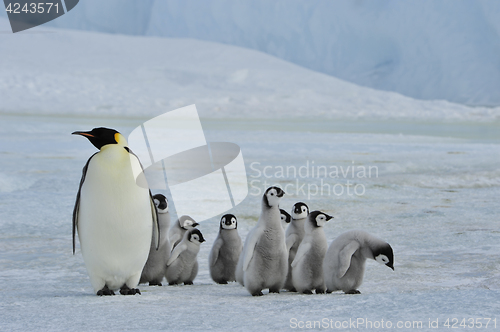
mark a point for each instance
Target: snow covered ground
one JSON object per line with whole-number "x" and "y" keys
{"x": 435, "y": 200}
{"x": 433, "y": 197}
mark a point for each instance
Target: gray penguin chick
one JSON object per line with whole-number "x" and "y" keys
{"x": 263, "y": 261}
{"x": 156, "y": 265}
{"x": 294, "y": 235}
{"x": 225, "y": 251}
{"x": 182, "y": 266}
{"x": 176, "y": 232}
{"x": 307, "y": 266}
{"x": 344, "y": 263}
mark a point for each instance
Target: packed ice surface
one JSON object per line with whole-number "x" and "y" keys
{"x": 59, "y": 72}
{"x": 434, "y": 199}
{"x": 432, "y": 194}
{"x": 432, "y": 50}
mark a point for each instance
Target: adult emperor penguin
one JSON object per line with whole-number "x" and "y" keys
{"x": 176, "y": 232}
{"x": 156, "y": 265}
{"x": 113, "y": 215}
{"x": 307, "y": 266}
{"x": 285, "y": 218}
{"x": 344, "y": 263}
{"x": 225, "y": 251}
{"x": 182, "y": 266}
{"x": 294, "y": 235}
{"x": 263, "y": 261}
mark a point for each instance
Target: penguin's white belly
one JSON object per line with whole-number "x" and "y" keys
{"x": 114, "y": 224}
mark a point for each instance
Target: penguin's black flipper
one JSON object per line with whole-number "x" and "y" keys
{"x": 156, "y": 226}
{"x": 77, "y": 202}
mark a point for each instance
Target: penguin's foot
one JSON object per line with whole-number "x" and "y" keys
{"x": 307, "y": 291}
{"x": 292, "y": 289}
{"x": 105, "y": 291}
{"x": 125, "y": 290}
{"x": 222, "y": 282}
{"x": 320, "y": 291}
{"x": 328, "y": 291}
{"x": 275, "y": 290}
{"x": 188, "y": 283}
{"x": 353, "y": 291}
{"x": 172, "y": 283}
{"x": 258, "y": 293}
{"x": 155, "y": 283}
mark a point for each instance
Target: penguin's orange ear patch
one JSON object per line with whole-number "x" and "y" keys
{"x": 117, "y": 137}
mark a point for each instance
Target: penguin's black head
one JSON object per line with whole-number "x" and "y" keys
{"x": 161, "y": 203}
{"x": 285, "y": 216}
{"x": 187, "y": 222}
{"x": 384, "y": 255}
{"x": 196, "y": 236}
{"x": 300, "y": 210}
{"x": 318, "y": 218}
{"x": 272, "y": 196}
{"x": 102, "y": 136}
{"x": 228, "y": 221}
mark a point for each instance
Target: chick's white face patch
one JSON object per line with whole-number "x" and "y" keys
{"x": 230, "y": 226}
{"x": 188, "y": 223}
{"x": 272, "y": 197}
{"x": 382, "y": 259}
{"x": 321, "y": 220}
{"x": 300, "y": 215}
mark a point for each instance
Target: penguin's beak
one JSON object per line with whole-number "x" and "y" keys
{"x": 83, "y": 133}
{"x": 280, "y": 193}
{"x": 391, "y": 266}
{"x": 195, "y": 224}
